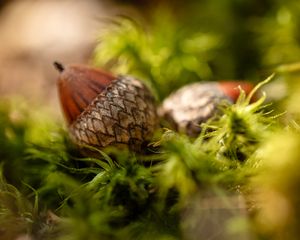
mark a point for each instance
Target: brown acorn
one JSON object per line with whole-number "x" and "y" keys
{"x": 103, "y": 110}
{"x": 195, "y": 103}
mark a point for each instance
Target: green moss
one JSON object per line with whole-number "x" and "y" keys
{"x": 180, "y": 187}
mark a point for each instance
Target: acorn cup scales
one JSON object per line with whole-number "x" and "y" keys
{"x": 103, "y": 110}
{"x": 190, "y": 106}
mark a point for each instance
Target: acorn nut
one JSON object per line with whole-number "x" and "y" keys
{"x": 103, "y": 110}
{"x": 193, "y": 104}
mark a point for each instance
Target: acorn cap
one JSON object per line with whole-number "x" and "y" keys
{"x": 193, "y": 104}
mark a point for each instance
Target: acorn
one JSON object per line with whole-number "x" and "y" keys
{"x": 193, "y": 104}
{"x": 105, "y": 110}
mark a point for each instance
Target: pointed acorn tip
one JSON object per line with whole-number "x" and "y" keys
{"x": 59, "y": 66}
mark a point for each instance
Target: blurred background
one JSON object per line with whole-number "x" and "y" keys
{"x": 36, "y": 33}
{"x": 167, "y": 43}
{"x": 189, "y": 40}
